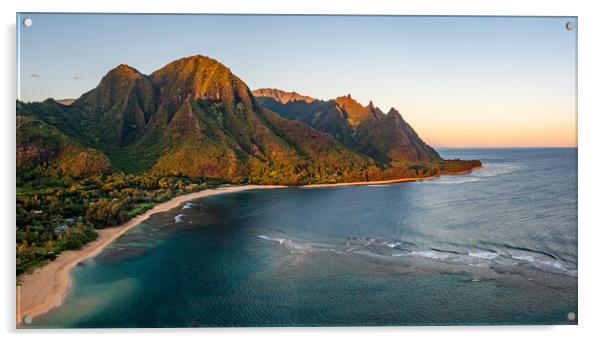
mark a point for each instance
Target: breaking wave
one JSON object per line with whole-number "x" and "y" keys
{"x": 500, "y": 258}
{"x": 294, "y": 245}
{"x": 475, "y": 258}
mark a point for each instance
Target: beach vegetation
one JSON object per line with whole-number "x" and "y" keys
{"x": 62, "y": 213}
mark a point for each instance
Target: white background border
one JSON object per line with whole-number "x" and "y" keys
{"x": 590, "y": 132}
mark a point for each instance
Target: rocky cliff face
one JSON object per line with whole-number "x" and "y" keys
{"x": 387, "y": 138}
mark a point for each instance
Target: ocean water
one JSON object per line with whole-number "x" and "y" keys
{"x": 496, "y": 246}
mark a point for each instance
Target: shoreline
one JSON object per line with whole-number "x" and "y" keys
{"x": 46, "y": 287}
{"x": 391, "y": 181}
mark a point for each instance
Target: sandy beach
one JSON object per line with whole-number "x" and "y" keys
{"x": 367, "y": 183}
{"x": 45, "y": 288}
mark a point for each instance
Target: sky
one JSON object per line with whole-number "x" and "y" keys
{"x": 459, "y": 81}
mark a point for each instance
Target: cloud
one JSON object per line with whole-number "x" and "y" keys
{"x": 34, "y": 75}
{"x": 77, "y": 77}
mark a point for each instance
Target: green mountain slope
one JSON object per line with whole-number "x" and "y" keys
{"x": 43, "y": 148}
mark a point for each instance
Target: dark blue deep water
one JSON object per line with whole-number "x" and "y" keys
{"x": 497, "y": 246}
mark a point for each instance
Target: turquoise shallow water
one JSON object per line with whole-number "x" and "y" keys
{"x": 497, "y": 246}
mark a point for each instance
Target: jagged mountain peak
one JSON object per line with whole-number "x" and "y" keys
{"x": 356, "y": 113}
{"x": 385, "y": 137}
{"x": 121, "y": 104}
{"x": 115, "y": 83}
{"x": 393, "y": 111}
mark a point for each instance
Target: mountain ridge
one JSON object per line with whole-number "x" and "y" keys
{"x": 359, "y": 127}
{"x": 194, "y": 117}
{"x": 281, "y": 95}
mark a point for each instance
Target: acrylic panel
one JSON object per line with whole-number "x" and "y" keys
{"x": 295, "y": 170}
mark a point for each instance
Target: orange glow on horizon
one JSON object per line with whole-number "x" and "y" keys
{"x": 497, "y": 123}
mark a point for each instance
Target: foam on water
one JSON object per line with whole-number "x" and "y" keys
{"x": 178, "y": 218}
{"x": 484, "y": 255}
{"x": 431, "y": 255}
{"x": 298, "y": 245}
{"x": 547, "y": 264}
{"x": 475, "y": 258}
{"x": 280, "y": 241}
{"x": 490, "y": 259}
